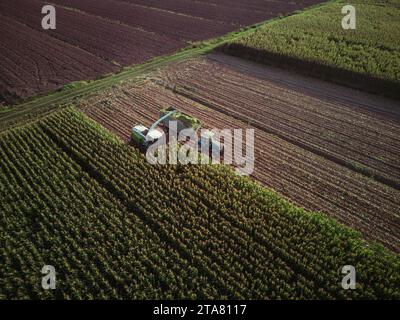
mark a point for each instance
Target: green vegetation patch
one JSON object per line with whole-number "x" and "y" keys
{"x": 314, "y": 42}
{"x": 188, "y": 121}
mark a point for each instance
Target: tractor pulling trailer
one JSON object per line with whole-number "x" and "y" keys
{"x": 144, "y": 137}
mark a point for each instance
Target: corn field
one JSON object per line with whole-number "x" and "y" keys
{"x": 114, "y": 226}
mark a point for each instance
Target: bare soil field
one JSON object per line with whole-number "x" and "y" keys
{"x": 111, "y": 34}
{"x": 108, "y": 40}
{"x": 284, "y": 160}
{"x": 32, "y": 62}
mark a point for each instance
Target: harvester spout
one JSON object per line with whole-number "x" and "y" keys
{"x": 155, "y": 124}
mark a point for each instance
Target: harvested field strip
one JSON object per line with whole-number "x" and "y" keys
{"x": 351, "y": 101}
{"x": 309, "y": 146}
{"x": 362, "y": 144}
{"x": 301, "y": 176}
{"x": 292, "y": 119}
{"x": 342, "y": 117}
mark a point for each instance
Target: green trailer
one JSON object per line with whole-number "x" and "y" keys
{"x": 183, "y": 120}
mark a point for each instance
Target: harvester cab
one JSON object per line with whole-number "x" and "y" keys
{"x": 144, "y": 137}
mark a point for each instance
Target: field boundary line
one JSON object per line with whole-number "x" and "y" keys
{"x": 174, "y": 12}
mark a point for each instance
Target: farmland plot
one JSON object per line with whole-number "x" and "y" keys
{"x": 310, "y": 180}
{"x": 115, "y": 226}
{"x": 108, "y": 40}
{"x": 174, "y": 26}
{"x": 110, "y": 34}
{"x": 31, "y": 62}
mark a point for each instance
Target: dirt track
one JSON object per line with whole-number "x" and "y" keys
{"x": 240, "y": 95}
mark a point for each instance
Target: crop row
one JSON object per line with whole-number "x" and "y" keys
{"x": 55, "y": 213}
